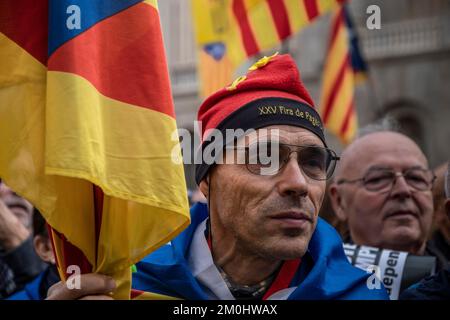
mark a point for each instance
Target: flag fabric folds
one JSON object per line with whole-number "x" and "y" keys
{"x": 86, "y": 128}
{"x": 343, "y": 67}
{"x": 262, "y": 24}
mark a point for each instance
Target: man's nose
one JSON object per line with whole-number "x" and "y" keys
{"x": 401, "y": 188}
{"x": 292, "y": 179}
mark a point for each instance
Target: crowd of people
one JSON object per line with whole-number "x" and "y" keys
{"x": 256, "y": 233}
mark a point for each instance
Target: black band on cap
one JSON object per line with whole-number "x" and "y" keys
{"x": 263, "y": 113}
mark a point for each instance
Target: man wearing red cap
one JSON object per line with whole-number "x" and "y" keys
{"x": 259, "y": 236}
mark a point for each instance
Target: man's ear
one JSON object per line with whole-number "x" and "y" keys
{"x": 337, "y": 202}
{"x": 204, "y": 186}
{"x": 43, "y": 248}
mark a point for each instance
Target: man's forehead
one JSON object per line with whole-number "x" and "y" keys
{"x": 384, "y": 167}
{"x": 284, "y": 134}
{"x": 392, "y": 151}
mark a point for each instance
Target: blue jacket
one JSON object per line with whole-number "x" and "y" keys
{"x": 327, "y": 275}
{"x": 31, "y": 289}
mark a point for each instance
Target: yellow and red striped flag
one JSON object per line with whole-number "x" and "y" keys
{"x": 86, "y": 120}
{"x": 343, "y": 66}
{"x": 240, "y": 29}
{"x": 262, "y": 24}
{"x": 232, "y": 31}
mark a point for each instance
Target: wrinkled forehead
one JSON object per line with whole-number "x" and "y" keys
{"x": 281, "y": 133}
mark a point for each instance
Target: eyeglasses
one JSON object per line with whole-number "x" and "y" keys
{"x": 382, "y": 180}
{"x": 268, "y": 158}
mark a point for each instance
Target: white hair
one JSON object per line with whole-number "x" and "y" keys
{"x": 387, "y": 123}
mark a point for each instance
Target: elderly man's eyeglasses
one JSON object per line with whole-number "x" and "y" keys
{"x": 316, "y": 162}
{"x": 382, "y": 180}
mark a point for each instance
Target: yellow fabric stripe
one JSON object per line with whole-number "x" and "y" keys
{"x": 297, "y": 14}
{"x": 211, "y": 20}
{"x": 360, "y": 77}
{"x": 22, "y": 124}
{"x": 57, "y": 246}
{"x": 154, "y": 296}
{"x": 235, "y": 46}
{"x": 107, "y": 138}
{"x": 22, "y": 91}
{"x": 214, "y": 21}
{"x": 342, "y": 100}
{"x": 214, "y": 75}
{"x": 204, "y": 32}
{"x": 22, "y": 128}
{"x": 111, "y": 151}
{"x": 262, "y": 24}
{"x": 349, "y": 135}
{"x": 334, "y": 60}
{"x": 153, "y": 3}
{"x": 326, "y": 5}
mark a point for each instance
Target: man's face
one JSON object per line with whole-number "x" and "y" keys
{"x": 398, "y": 219}
{"x": 273, "y": 216}
{"x": 20, "y": 207}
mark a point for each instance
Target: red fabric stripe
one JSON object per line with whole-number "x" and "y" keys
{"x": 25, "y": 23}
{"x": 123, "y": 57}
{"x": 335, "y": 89}
{"x": 73, "y": 256}
{"x": 347, "y": 118}
{"x": 248, "y": 38}
{"x": 311, "y": 8}
{"x": 135, "y": 293}
{"x": 338, "y": 22}
{"x": 284, "y": 277}
{"x": 280, "y": 17}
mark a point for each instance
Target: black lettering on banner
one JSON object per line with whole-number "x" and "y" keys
{"x": 350, "y": 251}
{"x": 365, "y": 256}
{"x": 394, "y": 254}
{"x": 392, "y": 264}
{"x": 389, "y": 263}
{"x": 388, "y": 282}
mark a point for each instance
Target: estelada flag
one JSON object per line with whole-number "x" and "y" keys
{"x": 88, "y": 131}
{"x": 344, "y": 66}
